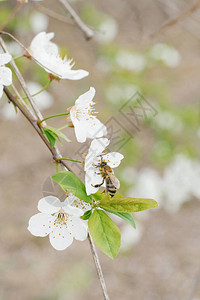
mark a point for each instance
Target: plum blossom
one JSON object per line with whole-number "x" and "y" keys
{"x": 5, "y": 73}
{"x": 95, "y": 156}
{"x": 46, "y": 54}
{"x": 83, "y": 117}
{"x": 60, "y": 220}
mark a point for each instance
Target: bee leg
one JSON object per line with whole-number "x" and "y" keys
{"x": 98, "y": 173}
{"x": 97, "y": 185}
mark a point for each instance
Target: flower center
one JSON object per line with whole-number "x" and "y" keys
{"x": 61, "y": 218}
{"x": 87, "y": 112}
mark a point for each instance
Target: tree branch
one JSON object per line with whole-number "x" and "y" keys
{"x": 52, "y": 14}
{"x": 98, "y": 268}
{"x": 85, "y": 29}
{"x": 22, "y": 82}
{"x": 58, "y": 158}
{"x": 181, "y": 17}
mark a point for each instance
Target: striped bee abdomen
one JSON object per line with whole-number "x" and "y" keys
{"x": 110, "y": 188}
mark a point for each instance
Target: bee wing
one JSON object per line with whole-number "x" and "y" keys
{"x": 115, "y": 181}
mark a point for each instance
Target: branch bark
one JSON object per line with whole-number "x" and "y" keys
{"x": 181, "y": 17}
{"x": 33, "y": 121}
{"x": 85, "y": 29}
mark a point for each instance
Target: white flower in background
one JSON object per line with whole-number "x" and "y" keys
{"x": 119, "y": 93}
{"x": 39, "y": 22}
{"x": 178, "y": 182}
{"x": 95, "y": 156}
{"x": 7, "y": 112}
{"x": 46, "y": 54}
{"x": 83, "y": 117}
{"x": 5, "y": 73}
{"x": 60, "y": 220}
{"x": 130, "y": 61}
{"x": 167, "y": 121}
{"x": 107, "y": 30}
{"x": 148, "y": 184}
{"x": 168, "y": 54}
{"x": 14, "y": 49}
{"x": 44, "y": 100}
{"x": 130, "y": 237}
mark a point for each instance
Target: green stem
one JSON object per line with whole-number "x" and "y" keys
{"x": 61, "y": 128}
{"x": 18, "y": 57}
{"x": 59, "y": 115}
{"x": 43, "y": 89}
{"x": 57, "y": 167}
{"x": 69, "y": 159}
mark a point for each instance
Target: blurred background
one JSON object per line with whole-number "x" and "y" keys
{"x": 147, "y": 87}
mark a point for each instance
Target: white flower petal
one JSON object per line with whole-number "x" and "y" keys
{"x": 113, "y": 159}
{"x": 49, "y": 205}
{"x": 78, "y": 228}
{"x": 96, "y": 148}
{"x": 60, "y": 238}
{"x": 91, "y": 179}
{"x": 70, "y": 199}
{"x": 86, "y": 97}
{"x": 40, "y": 224}
{"x": 95, "y": 129}
{"x": 5, "y": 58}
{"x": 74, "y": 74}
{"x": 46, "y": 54}
{"x": 71, "y": 210}
{"x": 79, "y": 131}
{"x": 1, "y": 90}
{"x": 82, "y": 205}
{"x": 5, "y": 76}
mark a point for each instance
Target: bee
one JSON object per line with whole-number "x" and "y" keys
{"x": 112, "y": 183}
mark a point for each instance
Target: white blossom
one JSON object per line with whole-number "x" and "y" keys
{"x": 130, "y": 61}
{"x": 39, "y": 22}
{"x": 95, "y": 156}
{"x": 168, "y": 54}
{"x": 5, "y": 73}
{"x": 46, "y": 54}
{"x": 83, "y": 117}
{"x": 107, "y": 30}
{"x": 43, "y": 100}
{"x": 60, "y": 220}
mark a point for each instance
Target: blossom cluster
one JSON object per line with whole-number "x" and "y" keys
{"x": 61, "y": 220}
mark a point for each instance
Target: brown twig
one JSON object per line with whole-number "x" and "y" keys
{"x": 34, "y": 122}
{"x": 98, "y": 267}
{"x": 52, "y": 14}
{"x": 22, "y": 82}
{"x": 13, "y": 13}
{"x": 85, "y": 29}
{"x": 181, "y": 17}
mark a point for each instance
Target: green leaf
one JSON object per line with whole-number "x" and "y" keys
{"x": 58, "y": 133}
{"x": 68, "y": 181}
{"x": 86, "y": 215}
{"x": 120, "y": 204}
{"x": 51, "y": 138}
{"x": 98, "y": 195}
{"x": 105, "y": 233}
{"x": 125, "y": 216}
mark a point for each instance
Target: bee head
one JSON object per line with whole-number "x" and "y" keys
{"x": 103, "y": 163}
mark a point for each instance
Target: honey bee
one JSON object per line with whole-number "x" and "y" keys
{"x": 112, "y": 183}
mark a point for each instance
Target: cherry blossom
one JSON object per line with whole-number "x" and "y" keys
{"x": 60, "y": 220}
{"x": 46, "y": 54}
{"x": 95, "y": 156}
{"x": 84, "y": 118}
{"x": 5, "y": 73}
